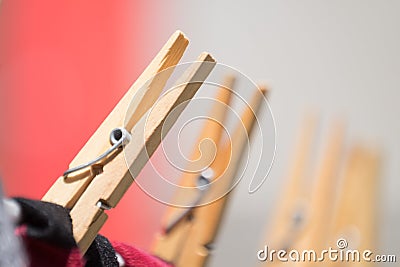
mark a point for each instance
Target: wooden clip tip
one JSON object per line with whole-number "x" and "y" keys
{"x": 205, "y": 56}
{"x": 264, "y": 89}
{"x": 370, "y": 150}
{"x": 179, "y": 33}
{"x": 178, "y": 39}
{"x": 230, "y": 78}
{"x": 229, "y": 81}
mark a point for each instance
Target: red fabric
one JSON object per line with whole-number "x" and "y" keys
{"x": 134, "y": 257}
{"x": 41, "y": 254}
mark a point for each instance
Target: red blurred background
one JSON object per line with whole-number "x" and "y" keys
{"x": 64, "y": 65}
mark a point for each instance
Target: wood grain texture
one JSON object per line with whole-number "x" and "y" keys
{"x": 109, "y": 186}
{"x": 207, "y": 218}
{"x": 169, "y": 246}
{"x": 66, "y": 192}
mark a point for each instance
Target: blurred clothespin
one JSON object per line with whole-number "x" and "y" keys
{"x": 99, "y": 175}
{"x": 189, "y": 232}
{"x": 291, "y": 213}
{"x": 304, "y": 216}
{"x": 355, "y": 222}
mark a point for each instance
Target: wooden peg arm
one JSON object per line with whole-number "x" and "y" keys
{"x": 66, "y": 192}
{"x": 109, "y": 186}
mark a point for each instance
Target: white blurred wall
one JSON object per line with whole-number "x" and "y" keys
{"x": 339, "y": 58}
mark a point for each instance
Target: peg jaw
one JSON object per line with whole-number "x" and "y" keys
{"x": 92, "y": 188}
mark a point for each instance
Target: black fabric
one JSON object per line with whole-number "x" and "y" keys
{"x": 101, "y": 254}
{"x": 47, "y": 222}
{"x": 52, "y": 224}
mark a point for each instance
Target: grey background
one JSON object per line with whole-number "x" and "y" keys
{"x": 336, "y": 58}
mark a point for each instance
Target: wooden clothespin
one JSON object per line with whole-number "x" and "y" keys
{"x": 189, "y": 232}
{"x": 323, "y": 195}
{"x": 356, "y": 217}
{"x": 306, "y": 217}
{"x": 100, "y": 174}
{"x": 289, "y": 217}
